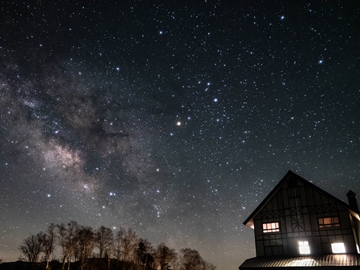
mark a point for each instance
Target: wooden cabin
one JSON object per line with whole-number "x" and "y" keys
{"x": 300, "y": 225}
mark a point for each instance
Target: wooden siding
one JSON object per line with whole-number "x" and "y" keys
{"x": 297, "y": 207}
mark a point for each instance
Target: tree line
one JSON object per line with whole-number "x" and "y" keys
{"x": 81, "y": 246}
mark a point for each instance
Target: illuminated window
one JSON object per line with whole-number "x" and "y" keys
{"x": 338, "y": 247}
{"x": 271, "y": 227}
{"x": 304, "y": 247}
{"x": 328, "y": 222}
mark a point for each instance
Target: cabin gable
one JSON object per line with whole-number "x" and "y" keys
{"x": 298, "y": 220}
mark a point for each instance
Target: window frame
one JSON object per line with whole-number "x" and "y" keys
{"x": 304, "y": 247}
{"x": 338, "y": 245}
{"x": 271, "y": 227}
{"x": 334, "y": 222}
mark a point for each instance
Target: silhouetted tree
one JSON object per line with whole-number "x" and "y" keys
{"x": 210, "y": 266}
{"x": 191, "y": 260}
{"x": 144, "y": 253}
{"x": 85, "y": 237}
{"x": 31, "y": 247}
{"x": 104, "y": 241}
{"x": 118, "y": 242}
{"x": 125, "y": 245}
{"x": 77, "y": 244}
{"x": 164, "y": 255}
{"x": 67, "y": 240}
{"x": 48, "y": 243}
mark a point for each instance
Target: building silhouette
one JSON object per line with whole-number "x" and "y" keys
{"x": 299, "y": 225}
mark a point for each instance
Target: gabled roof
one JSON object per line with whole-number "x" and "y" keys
{"x": 288, "y": 177}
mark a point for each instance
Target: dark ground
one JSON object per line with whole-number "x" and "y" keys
{"x": 92, "y": 264}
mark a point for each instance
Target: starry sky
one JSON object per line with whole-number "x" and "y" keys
{"x": 173, "y": 118}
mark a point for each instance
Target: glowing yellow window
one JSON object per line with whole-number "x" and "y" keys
{"x": 338, "y": 248}
{"x": 304, "y": 247}
{"x": 271, "y": 227}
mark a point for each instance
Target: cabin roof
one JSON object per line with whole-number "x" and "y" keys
{"x": 334, "y": 260}
{"x": 288, "y": 177}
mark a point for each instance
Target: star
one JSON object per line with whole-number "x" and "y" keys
{"x": 171, "y": 124}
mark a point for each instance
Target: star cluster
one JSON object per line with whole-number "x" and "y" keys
{"x": 175, "y": 119}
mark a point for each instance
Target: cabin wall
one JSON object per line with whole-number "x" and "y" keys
{"x": 299, "y": 213}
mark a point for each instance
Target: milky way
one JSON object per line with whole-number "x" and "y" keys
{"x": 174, "y": 120}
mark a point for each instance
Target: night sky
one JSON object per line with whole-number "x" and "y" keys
{"x": 173, "y": 118}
